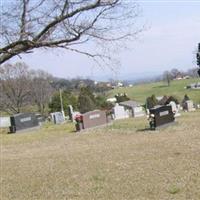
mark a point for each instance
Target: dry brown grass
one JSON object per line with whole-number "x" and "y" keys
{"x": 108, "y": 163}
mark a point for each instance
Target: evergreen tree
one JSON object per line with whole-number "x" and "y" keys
{"x": 186, "y": 98}
{"x": 86, "y": 100}
{"x": 151, "y": 101}
{"x": 122, "y": 97}
{"x": 68, "y": 99}
{"x": 102, "y": 103}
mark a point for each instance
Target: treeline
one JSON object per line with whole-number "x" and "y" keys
{"x": 23, "y": 89}
{"x": 76, "y": 84}
{"x": 168, "y": 76}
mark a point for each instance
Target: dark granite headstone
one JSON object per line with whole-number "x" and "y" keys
{"x": 161, "y": 115}
{"x": 23, "y": 121}
{"x": 41, "y": 119}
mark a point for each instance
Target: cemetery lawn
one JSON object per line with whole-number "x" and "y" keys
{"x": 176, "y": 88}
{"x": 121, "y": 161}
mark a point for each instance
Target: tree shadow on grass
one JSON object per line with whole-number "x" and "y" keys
{"x": 144, "y": 130}
{"x": 161, "y": 86}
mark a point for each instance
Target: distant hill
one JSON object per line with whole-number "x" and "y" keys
{"x": 141, "y": 92}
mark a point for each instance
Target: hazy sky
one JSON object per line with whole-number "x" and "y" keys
{"x": 169, "y": 42}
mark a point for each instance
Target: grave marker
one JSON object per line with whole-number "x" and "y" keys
{"x": 4, "y": 122}
{"x": 23, "y": 121}
{"x": 57, "y": 117}
{"x": 119, "y": 112}
{"x": 160, "y": 116}
{"x": 138, "y": 112}
{"x": 91, "y": 119}
{"x": 71, "y": 113}
{"x": 175, "y": 109}
{"x": 189, "y": 106}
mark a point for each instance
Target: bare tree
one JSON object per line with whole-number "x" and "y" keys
{"x": 14, "y": 87}
{"x": 27, "y": 25}
{"x": 175, "y": 73}
{"x": 192, "y": 72}
{"x": 21, "y": 88}
{"x": 41, "y": 90}
{"x": 167, "y": 76}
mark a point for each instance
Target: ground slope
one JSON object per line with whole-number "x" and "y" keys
{"x": 122, "y": 161}
{"x": 176, "y": 88}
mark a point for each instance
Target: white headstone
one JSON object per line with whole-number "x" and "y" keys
{"x": 138, "y": 111}
{"x": 175, "y": 108}
{"x": 71, "y": 113}
{"x": 173, "y": 105}
{"x": 119, "y": 112}
{"x": 4, "y": 122}
{"x": 57, "y": 117}
{"x": 190, "y": 106}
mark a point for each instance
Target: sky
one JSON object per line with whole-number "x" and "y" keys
{"x": 170, "y": 38}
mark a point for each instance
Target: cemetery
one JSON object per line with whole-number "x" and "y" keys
{"x": 164, "y": 113}
{"x": 120, "y": 150}
{"x": 91, "y": 149}
{"x": 138, "y": 142}
{"x": 99, "y": 100}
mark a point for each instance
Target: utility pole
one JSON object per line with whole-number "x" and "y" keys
{"x": 61, "y": 103}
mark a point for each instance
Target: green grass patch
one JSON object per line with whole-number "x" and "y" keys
{"x": 129, "y": 124}
{"x": 48, "y": 130}
{"x": 141, "y": 92}
{"x": 173, "y": 189}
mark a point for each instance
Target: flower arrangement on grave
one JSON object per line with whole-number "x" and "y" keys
{"x": 79, "y": 118}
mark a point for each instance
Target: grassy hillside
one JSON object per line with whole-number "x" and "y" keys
{"x": 141, "y": 92}
{"x": 121, "y": 161}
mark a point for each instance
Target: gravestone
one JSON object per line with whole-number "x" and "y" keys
{"x": 119, "y": 112}
{"x": 57, "y": 117}
{"x": 175, "y": 109}
{"x": 23, "y": 121}
{"x": 71, "y": 113}
{"x": 138, "y": 112}
{"x": 41, "y": 119}
{"x": 4, "y": 122}
{"x": 189, "y": 106}
{"x": 91, "y": 119}
{"x": 160, "y": 116}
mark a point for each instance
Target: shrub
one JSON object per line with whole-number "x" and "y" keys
{"x": 122, "y": 97}
{"x": 151, "y": 102}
